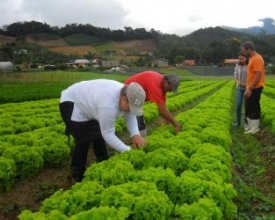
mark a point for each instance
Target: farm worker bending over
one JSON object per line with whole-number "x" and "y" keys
{"x": 90, "y": 110}
{"x": 156, "y": 86}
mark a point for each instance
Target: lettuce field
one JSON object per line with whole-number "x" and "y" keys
{"x": 209, "y": 170}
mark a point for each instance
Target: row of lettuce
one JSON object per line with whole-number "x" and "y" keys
{"x": 32, "y": 133}
{"x": 183, "y": 176}
{"x": 19, "y": 87}
{"x": 268, "y": 105}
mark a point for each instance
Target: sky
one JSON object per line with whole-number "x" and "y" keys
{"x": 180, "y": 17}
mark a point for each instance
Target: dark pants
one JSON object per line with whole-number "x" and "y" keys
{"x": 252, "y": 104}
{"x": 84, "y": 133}
{"x": 141, "y": 123}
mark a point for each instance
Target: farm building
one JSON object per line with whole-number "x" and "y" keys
{"x": 189, "y": 62}
{"x": 230, "y": 62}
{"x": 81, "y": 62}
{"x": 160, "y": 62}
{"x": 109, "y": 63}
{"x": 121, "y": 69}
{"x": 6, "y": 66}
{"x": 96, "y": 63}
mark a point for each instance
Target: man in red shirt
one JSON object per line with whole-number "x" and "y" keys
{"x": 156, "y": 86}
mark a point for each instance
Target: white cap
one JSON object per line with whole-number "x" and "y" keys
{"x": 136, "y": 97}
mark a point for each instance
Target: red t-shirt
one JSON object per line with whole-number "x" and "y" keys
{"x": 151, "y": 82}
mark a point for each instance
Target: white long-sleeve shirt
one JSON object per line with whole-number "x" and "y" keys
{"x": 99, "y": 100}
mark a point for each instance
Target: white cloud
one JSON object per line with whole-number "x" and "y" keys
{"x": 174, "y": 16}
{"x": 100, "y": 13}
{"x": 8, "y": 10}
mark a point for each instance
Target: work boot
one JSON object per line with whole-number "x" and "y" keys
{"x": 247, "y": 125}
{"x": 254, "y": 128}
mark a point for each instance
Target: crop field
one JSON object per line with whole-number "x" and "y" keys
{"x": 209, "y": 170}
{"x": 81, "y": 44}
{"x": 76, "y": 50}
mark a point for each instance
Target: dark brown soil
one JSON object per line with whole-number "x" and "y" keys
{"x": 29, "y": 194}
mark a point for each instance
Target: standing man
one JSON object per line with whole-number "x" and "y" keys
{"x": 156, "y": 86}
{"x": 90, "y": 109}
{"x": 254, "y": 86}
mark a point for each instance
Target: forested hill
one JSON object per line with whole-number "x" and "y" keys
{"x": 267, "y": 28}
{"x": 207, "y": 46}
{"x": 208, "y": 35}
{"x": 19, "y": 29}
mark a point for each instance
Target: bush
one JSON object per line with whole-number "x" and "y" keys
{"x": 270, "y": 70}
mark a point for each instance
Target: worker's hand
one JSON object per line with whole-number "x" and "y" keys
{"x": 247, "y": 93}
{"x": 178, "y": 128}
{"x": 138, "y": 141}
{"x": 164, "y": 121}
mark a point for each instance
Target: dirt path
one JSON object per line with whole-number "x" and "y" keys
{"x": 31, "y": 193}
{"x": 253, "y": 173}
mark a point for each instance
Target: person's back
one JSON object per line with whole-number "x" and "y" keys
{"x": 156, "y": 86}
{"x": 256, "y": 64}
{"x": 86, "y": 94}
{"x": 151, "y": 82}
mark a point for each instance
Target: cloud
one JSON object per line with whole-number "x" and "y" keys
{"x": 167, "y": 16}
{"x": 195, "y": 18}
{"x": 100, "y": 13}
{"x": 8, "y": 10}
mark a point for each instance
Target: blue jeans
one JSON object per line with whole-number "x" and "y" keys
{"x": 239, "y": 104}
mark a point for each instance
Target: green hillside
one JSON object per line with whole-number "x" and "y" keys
{"x": 84, "y": 39}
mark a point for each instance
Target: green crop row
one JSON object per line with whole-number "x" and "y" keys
{"x": 19, "y": 87}
{"x": 186, "y": 95}
{"x": 37, "y": 126}
{"x": 267, "y": 111}
{"x": 187, "y": 176}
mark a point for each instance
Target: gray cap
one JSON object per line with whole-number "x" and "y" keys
{"x": 174, "y": 81}
{"x": 136, "y": 97}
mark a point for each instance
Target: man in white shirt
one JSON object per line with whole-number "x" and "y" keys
{"x": 90, "y": 110}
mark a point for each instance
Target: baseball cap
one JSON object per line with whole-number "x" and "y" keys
{"x": 174, "y": 81}
{"x": 136, "y": 97}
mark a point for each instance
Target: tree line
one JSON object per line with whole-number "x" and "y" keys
{"x": 18, "y": 29}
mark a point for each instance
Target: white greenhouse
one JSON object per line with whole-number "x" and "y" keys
{"x": 6, "y": 66}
